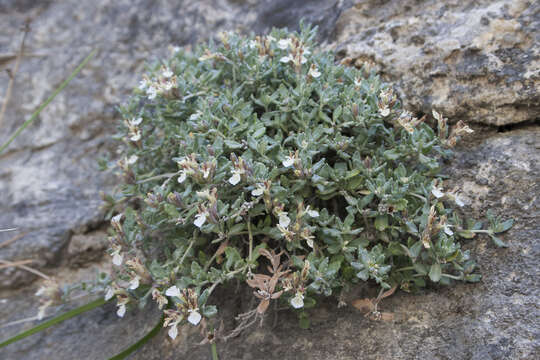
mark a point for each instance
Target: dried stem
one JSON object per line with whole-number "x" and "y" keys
{"x": 24, "y": 267}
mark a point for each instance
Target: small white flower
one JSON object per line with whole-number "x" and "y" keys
{"x": 173, "y": 331}
{"x": 284, "y": 220}
{"x": 109, "y": 293}
{"x": 437, "y": 192}
{"x": 206, "y": 173}
{"x": 313, "y": 213}
{"x": 458, "y": 201}
{"x": 258, "y": 191}
{"x": 384, "y": 111}
{"x": 235, "y": 178}
{"x": 121, "y": 310}
{"x": 173, "y": 291}
{"x": 303, "y": 60}
{"x": 167, "y": 73}
{"x": 132, "y": 159}
{"x": 175, "y": 49}
{"x": 136, "y": 121}
{"x": 314, "y": 72}
{"x": 195, "y": 116}
{"x": 117, "y": 218}
{"x": 194, "y": 317}
{"x": 289, "y": 161}
{"x": 168, "y": 85}
{"x": 117, "y": 259}
{"x": 182, "y": 177}
{"x": 297, "y": 301}
{"x": 40, "y": 291}
{"x": 135, "y": 135}
{"x": 310, "y": 243}
{"x": 200, "y": 219}
{"x": 143, "y": 84}
{"x": 252, "y": 44}
{"x": 284, "y": 43}
{"x": 151, "y": 92}
{"x": 286, "y": 59}
{"x": 447, "y": 230}
{"x": 270, "y": 38}
{"x": 134, "y": 283}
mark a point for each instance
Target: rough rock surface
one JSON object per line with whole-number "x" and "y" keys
{"x": 49, "y": 176}
{"x": 469, "y": 59}
{"x": 50, "y": 183}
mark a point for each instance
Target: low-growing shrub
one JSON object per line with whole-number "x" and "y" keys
{"x": 263, "y": 160}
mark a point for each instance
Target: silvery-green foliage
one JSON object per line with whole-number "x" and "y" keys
{"x": 267, "y": 143}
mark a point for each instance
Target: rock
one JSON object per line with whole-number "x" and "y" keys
{"x": 49, "y": 176}
{"x": 480, "y": 66}
{"x": 471, "y": 60}
{"x": 493, "y": 319}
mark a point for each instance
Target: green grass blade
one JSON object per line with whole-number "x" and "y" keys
{"x": 139, "y": 343}
{"x": 49, "y": 99}
{"x": 56, "y": 320}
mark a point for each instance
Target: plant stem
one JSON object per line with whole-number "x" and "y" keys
{"x": 214, "y": 351}
{"x": 250, "y": 235}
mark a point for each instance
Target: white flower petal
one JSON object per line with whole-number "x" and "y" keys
{"x": 303, "y": 60}
{"x": 40, "y": 291}
{"x": 310, "y": 243}
{"x": 132, "y": 159}
{"x": 134, "y": 283}
{"x": 448, "y": 231}
{"x": 167, "y": 73}
{"x": 121, "y": 311}
{"x": 173, "y": 331}
{"x": 136, "y": 121}
{"x": 458, "y": 201}
{"x": 289, "y": 161}
{"x": 200, "y": 219}
{"x": 284, "y": 43}
{"x": 117, "y": 259}
{"x": 257, "y": 191}
{"x": 182, "y": 177}
{"x": 109, "y": 294}
{"x": 313, "y": 213}
{"x": 284, "y": 220}
{"x": 142, "y": 85}
{"x": 194, "y": 317}
{"x": 285, "y": 59}
{"x": 297, "y": 302}
{"x": 437, "y": 192}
{"x": 235, "y": 179}
{"x": 385, "y": 111}
{"x": 173, "y": 291}
{"x": 136, "y": 136}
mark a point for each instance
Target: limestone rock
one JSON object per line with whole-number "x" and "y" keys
{"x": 471, "y": 60}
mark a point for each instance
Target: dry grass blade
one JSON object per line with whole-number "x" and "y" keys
{"x": 16, "y": 263}
{"x": 12, "y": 240}
{"x": 24, "y": 267}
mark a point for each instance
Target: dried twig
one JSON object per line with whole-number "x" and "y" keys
{"x": 27, "y": 268}
{"x": 12, "y": 240}
{"x": 16, "y": 263}
{"x": 13, "y": 73}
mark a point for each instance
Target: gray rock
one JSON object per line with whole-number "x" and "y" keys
{"x": 50, "y": 183}
{"x": 471, "y": 60}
